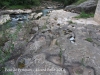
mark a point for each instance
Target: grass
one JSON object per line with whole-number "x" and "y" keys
{"x": 9, "y": 73}
{"x": 3, "y": 40}
{"x": 85, "y": 15}
{"x": 6, "y": 54}
{"x": 60, "y": 54}
{"x": 89, "y": 39}
{"x": 83, "y": 61}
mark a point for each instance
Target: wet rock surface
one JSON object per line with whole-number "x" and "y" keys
{"x": 53, "y": 44}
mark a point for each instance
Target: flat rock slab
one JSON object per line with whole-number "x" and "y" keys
{"x": 56, "y": 59}
{"x": 39, "y": 66}
{"x": 79, "y": 69}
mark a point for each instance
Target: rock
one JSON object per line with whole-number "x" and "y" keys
{"x": 46, "y": 11}
{"x": 70, "y": 7}
{"x": 34, "y": 30}
{"x": 17, "y": 50}
{"x": 53, "y": 42}
{"x": 38, "y": 15}
{"x": 19, "y": 11}
{"x": 77, "y": 68}
{"x": 40, "y": 66}
{"x": 56, "y": 59}
{"x": 31, "y": 16}
{"x": 87, "y": 6}
{"x": 10, "y": 64}
{"x": 97, "y": 12}
{"x": 49, "y": 7}
{"x": 38, "y": 55}
{"x": 36, "y": 43}
{"x": 4, "y": 18}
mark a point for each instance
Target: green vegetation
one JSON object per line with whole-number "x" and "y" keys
{"x": 85, "y": 15}
{"x": 71, "y": 22}
{"x": 5, "y": 54}
{"x": 17, "y": 3}
{"x": 19, "y": 6}
{"x": 68, "y": 2}
{"x": 79, "y": 1}
{"x": 60, "y": 54}
{"x": 83, "y": 61}
{"x": 89, "y": 39}
{"x": 9, "y": 73}
{"x": 6, "y": 35}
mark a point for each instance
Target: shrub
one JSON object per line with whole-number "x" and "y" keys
{"x": 85, "y": 15}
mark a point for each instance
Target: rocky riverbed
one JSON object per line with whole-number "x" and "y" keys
{"x": 5, "y": 14}
{"x": 56, "y": 46}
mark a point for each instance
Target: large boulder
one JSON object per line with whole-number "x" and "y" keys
{"x": 87, "y": 6}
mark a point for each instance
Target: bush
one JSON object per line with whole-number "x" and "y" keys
{"x": 18, "y": 2}
{"x": 85, "y": 15}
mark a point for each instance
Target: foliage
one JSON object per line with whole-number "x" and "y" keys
{"x": 89, "y": 39}
{"x": 13, "y": 3}
{"x": 25, "y": 3}
{"x": 9, "y": 73}
{"x": 85, "y": 15}
{"x": 79, "y": 1}
{"x": 6, "y": 54}
{"x": 19, "y": 6}
{"x": 83, "y": 61}
{"x": 70, "y": 22}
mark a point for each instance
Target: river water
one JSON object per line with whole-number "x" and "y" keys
{"x": 22, "y": 18}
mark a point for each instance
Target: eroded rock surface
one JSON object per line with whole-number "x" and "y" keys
{"x": 57, "y": 44}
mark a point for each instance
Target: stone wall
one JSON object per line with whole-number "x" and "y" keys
{"x": 97, "y": 13}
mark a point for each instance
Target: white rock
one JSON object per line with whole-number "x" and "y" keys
{"x": 38, "y": 15}
{"x": 31, "y": 15}
{"x": 4, "y": 18}
{"x": 72, "y": 38}
{"x": 19, "y": 11}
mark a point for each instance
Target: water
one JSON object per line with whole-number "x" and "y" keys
{"x": 15, "y": 20}
{"x": 46, "y": 11}
{"x": 18, "y": 18}
{"x": 22, "y": 18}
